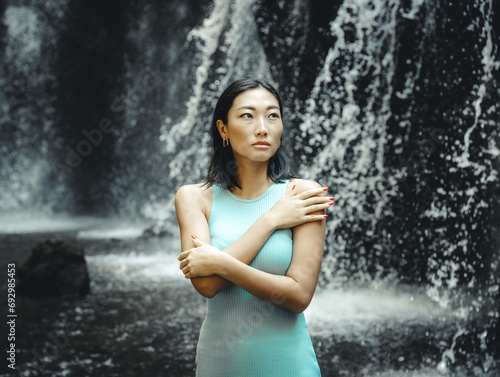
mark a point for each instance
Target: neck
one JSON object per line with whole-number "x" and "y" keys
{"x": 253, "y": 179}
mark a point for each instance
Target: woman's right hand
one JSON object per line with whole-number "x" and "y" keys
{"x": 295, "y": 209}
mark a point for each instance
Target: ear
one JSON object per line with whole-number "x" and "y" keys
{"x": 222, "y": 129}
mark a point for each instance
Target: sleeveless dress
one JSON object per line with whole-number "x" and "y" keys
{"x": 242, "y": 335}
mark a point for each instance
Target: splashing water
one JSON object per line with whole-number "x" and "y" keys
{"x": 240, "y": 50}
{"x": 411, "y": 254}
{"x": 347, "y": 135}
{"x": 349, "y": 126}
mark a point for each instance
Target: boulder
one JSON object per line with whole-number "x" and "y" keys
{"x": 53, "y": 269}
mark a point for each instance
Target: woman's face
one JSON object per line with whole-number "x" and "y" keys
{"x": 254, "y": 125}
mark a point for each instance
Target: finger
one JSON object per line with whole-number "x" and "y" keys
{"x": 183, "y": 264}
{"x": 293, "y": 192}
{"x": 189, "y": 275}
{"x": 197, "y": 242}
{"x": 185, "y": 270}
{"x": 318, "y": 207}
{"x": 183, "y": 255}
{"x": 317, "y": 200}
{"x": 312, "y": 192}
{"x": 311, "y": 218}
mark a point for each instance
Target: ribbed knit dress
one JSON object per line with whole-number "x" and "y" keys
{"x": 241, "y": 335}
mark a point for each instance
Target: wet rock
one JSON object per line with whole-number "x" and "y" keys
{"x": 54, "y": 269}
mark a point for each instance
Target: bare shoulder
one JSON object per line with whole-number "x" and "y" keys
{"x": 303, "y": 185}
{"x": 195, "y": 195}
{"x": 197, "y": 189}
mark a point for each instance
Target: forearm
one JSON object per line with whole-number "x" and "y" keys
{"x": 244, "y": 250}
{"x": 279, "y": 290}
{"x": 247, "y": 246}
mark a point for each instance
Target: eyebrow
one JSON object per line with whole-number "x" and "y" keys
{"x": 253, "y": 108}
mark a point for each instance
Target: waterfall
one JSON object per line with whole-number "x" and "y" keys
{"x": 235, "y": 38}
{"x": 345, "y": 129}
{"x": 394, "y": 105}
{"x": 26, "y": 117}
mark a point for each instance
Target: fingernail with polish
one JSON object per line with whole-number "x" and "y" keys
{"x": 325, "y": 188}
{"x": 325, "y": 216}
{"x": 193, "y": 236}
{"x": 330, "y": 203}
{"x": 293, "y": 187}
{"x": 331, "y": 198}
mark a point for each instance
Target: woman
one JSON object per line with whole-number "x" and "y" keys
{"x": 252, "y": 238}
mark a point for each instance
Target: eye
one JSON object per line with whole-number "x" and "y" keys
{"x": 274, "y": 115}
{"x": 246, "y": 116}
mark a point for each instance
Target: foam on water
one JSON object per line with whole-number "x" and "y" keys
{"x": 116, "y": 232}
{"x": 332, "y": 311}
{"x": 134, "y": 271}
{"x": 22, "y": 223}
{"x": 356, "y": 311}
{"x": 424, "y": 372}
{"x": 88, "y": 227}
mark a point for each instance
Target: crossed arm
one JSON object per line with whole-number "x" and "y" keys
{"x": 210, "y": 270}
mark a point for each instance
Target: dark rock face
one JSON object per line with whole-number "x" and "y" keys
{"x": 54, "y": 269}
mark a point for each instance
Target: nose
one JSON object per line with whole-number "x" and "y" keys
{"x": 261, "y": 129}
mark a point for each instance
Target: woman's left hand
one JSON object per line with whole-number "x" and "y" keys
{"x": 200, "y": 260}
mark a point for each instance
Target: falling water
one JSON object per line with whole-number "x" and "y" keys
{"x": 346, "y": 129}
{"x": 238, "y": 49}
{"x": 394, "y": 105}
{"x": 359, "y": 116}
{"x": 25, "y": 153}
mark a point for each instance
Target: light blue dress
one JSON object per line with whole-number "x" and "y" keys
{"x": 241, "y": 334}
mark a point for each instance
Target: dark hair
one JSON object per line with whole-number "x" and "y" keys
{"x": 223, "y": 169}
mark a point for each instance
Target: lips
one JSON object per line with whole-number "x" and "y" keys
{"x": 262, "y": 143}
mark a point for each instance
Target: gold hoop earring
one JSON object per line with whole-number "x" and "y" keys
{"x": 225, "y": 142}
